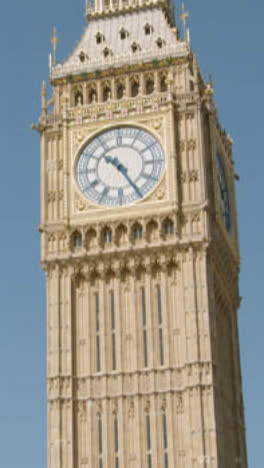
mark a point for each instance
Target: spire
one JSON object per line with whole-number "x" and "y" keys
{"x": 54, "y": 40}
{"x": 184, "y": 17}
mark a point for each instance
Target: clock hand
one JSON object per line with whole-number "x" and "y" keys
{"x": 133, "y": 184}
{"x": 121, "y": 168}
{"x": 115, "y": 162}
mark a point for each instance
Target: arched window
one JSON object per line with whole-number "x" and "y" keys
{"x": 82, "y": 56}
{"x": 160, "y": 43}
{"x": 99, "y": 38}
{"x": 168, "y": 227}
{"x": 91, "y": 240}
{"x": 152, "y": 231}
{"x": 134, "y": 88}
{"x": 137, "y": 232}
{"x": 163, "y": 84}
{"x": 135, "y": 47}
{"x": 148, "y": 29}
{"x": 106, "y": 93}
{"x": 92, "y": 96}
{"x": 76, "y": 240}
{"x": 149, "y": 86}
{"x": 107, "y": 236}
{"x": 107, "y": 52}
{"x": 120, "y": 90}
{"x": 78, "y": 98}
{"x": 123, "y": 34}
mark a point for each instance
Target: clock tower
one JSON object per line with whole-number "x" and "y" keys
{"x": 139, "y": 243}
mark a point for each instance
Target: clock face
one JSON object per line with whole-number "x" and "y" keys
{"x": 120, "y": 166}
{"x": 223, "y": 190}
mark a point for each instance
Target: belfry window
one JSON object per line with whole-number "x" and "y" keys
{"x": 150, "y": 86}
{"x": 106, "y": 93}
{"x": 78, "y": 99}
{"x": 163, "y": 84}
{"x": 92, "y": 96}
{"x": 120, "y": 91}
{"x": 134, "y": 88}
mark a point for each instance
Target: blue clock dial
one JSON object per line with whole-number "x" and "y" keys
{"x": 120, "y": 166}
{"x": 223, "y": 190}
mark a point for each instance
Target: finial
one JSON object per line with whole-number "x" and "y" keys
{"x": 174, "y": 12}
{"x": 210, "y": 80}
{"x": 43, "y": 88}
{"x": 230, "y": 140}
{"x": 43, "y": 99}
{"x": 209, "y": 91}
{"x": 184, "y": 16}
{"x": 54, "y": 40}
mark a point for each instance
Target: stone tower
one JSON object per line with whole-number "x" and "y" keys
{"x": 140, "y": 248}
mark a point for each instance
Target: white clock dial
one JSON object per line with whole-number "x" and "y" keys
{"x": 120, "y": 166}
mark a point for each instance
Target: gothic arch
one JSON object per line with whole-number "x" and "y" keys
{"x": 134, "y": 84}
{"x": 76, "y": 240}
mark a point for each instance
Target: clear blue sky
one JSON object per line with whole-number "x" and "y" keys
{"x": 228, "y": 39}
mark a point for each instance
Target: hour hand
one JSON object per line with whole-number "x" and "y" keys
{"x": 111, "y": 160}
{"x": 116, "y": 163}
{"x": 108, "y": 159}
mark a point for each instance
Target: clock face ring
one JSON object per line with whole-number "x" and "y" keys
{"x": 120, "y": 166}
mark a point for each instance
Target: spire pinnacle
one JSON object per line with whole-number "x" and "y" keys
{"x": 54, "y": 40}
{"x": 184, "y": 16}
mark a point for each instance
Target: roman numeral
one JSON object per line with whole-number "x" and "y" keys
{"x": 148, "y": 176}
{"x": 148, "y": 147}
{"x": 119, "y": 141}
{"x": 135, "y": 139}
{"x": 103, "y": 144}
{"x": 120, "y": 195}
{"x": 104, "y": 193}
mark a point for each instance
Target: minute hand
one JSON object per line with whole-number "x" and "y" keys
{"x": 123, "y": 170}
